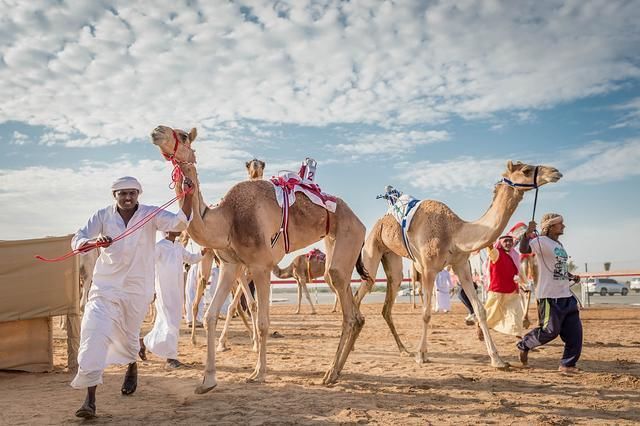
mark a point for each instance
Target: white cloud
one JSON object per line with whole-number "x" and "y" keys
{"x": 632, "y": 117}
{"x": 105, "y": 72}
{"x": 608, "y": 162}
{"x": 461, "y": 174}
{"x": 19, "y": 138}
{"x": 396, "y": 142}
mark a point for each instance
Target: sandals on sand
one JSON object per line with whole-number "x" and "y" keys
{"x": 130, "y": 383}
{"x": 276, "y": 335}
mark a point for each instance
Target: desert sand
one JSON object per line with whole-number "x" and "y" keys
{"x": 377, "y": 385}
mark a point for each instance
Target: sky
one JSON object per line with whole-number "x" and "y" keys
{"x": 432, "y": 97}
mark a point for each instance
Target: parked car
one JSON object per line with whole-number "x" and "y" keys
{"x": 604, "y": 286}
{"x": 635, "y": 285}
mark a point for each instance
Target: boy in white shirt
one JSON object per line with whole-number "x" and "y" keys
{"x": 557, "y": 307}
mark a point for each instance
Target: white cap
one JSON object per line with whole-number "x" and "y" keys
{"x": 126, "y": 182}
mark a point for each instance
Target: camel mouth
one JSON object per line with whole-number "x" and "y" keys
{"x": 555, "y": 176}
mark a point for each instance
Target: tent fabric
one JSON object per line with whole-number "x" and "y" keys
{"x": 31, "y": 288}
{"x": 27, "y": 345}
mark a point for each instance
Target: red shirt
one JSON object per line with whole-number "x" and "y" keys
{"x": 501, "y": 274}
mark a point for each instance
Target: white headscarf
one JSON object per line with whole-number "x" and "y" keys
{"x": 126, "y": 182}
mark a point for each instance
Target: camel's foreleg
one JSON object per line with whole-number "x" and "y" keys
{"x": 371, "y": 256}
{"x": 392, "y": 265}
{"x": 302, "y": 284}
{"x": 298, "y": 281}
{"x": 428, "y": 278}
{"x": 225, "y": 283}
{"x": 463, "y": 270}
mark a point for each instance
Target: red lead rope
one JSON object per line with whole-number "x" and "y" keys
{"x": 176, "y": 176}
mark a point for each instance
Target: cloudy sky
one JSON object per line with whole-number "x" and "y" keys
{"x": 431, "y": 97}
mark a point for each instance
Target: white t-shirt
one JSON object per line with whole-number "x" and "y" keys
{"x": 553, "y": 271}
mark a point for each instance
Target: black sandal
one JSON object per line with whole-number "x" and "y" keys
{"x": 130, "y": 383}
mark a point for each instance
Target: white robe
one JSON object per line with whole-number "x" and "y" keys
{"x": 162, "y": 340}
{"x": 192, "y": 287}
{"x": 442, "y": 289}
{"x": 122, "y": 289}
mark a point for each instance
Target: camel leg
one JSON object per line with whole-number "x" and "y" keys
{"x": 298, "y": 281}
{"x": 463, "y": 271}
{"x": 335, "y": 293}
{"x": 302, "y": 284}
{"x": 202, "y": 283}
{"x": 225, "y": 283}
{"x": 341, "y": 257}
{"x": 261, "y": 280}
{"x": 392, "y": 265}
{"x": 428, "y": 278}
{"x": 253, "y": 309}
{"x": 222, "y": 340}
{"x": 371, "y": 256}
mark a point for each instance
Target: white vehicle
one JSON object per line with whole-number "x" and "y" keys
{"x": 604, "y": 286}
{"x": 635, "y": 285}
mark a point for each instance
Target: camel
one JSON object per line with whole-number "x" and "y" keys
{"x": 255, "y": 169}
{"x": 437, "y": 238}
{"x": 241, "y": 227}
{"x": 415, "y": 283}
{"x": 529, "y": 268}
{"x": 241, "y": 288}
{"x": 304, "y": 269}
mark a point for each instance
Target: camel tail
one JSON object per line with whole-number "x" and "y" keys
{"x": 362, "y": 271}
{"x": 283, "y": 273}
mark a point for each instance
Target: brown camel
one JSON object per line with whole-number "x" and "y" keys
{"x": 304, "y": 269}
{"x": 242, "y": 287}
{"x": 438, "y": 237}
{"x": 240, "y": 228}
{"x": 415, "y": 284}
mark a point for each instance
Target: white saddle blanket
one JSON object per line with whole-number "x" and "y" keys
{"x": 404, "y": 209}
{"x": 303, "y": 185}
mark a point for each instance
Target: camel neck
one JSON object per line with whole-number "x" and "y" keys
{"x": 481, "y": 233}
{"x": 208, "y": 226}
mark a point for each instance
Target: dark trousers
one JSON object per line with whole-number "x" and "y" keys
{"x": 465, "y": 299}
{"x": 243, "y": 300}
{"x": 557, "y": 317}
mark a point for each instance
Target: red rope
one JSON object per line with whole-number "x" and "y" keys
{"x": 176, "y": 176}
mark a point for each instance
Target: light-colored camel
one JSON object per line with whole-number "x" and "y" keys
{"x": 304, "y": 269}
{"x": 240, "y": 229}
{"x": 438, "y": 237}
{"x": 255, "y": 169}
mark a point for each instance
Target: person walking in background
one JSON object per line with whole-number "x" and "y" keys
{"x": 443, "y": 287}
{"x": 162, "y": 340}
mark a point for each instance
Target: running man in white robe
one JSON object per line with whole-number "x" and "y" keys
{"x": 123, "y": 286}
{"x": 443, "y": 289}
{"x": 162, "y": 340}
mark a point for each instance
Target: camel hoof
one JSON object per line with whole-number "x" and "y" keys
{"x": 501, "y": 365}
{"x": 314, "y": 313}
{"x": 404, "y": 352}
{"x": 222, "y": 349}
{"x": 421, "y": 358}
{"x": 330, "y": 378}
{"x": 202, "y": 389}
{"x": 254, "y": 379}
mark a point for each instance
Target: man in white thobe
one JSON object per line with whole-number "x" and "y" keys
{"x": 123, "y": 285}
{"x": 443, "y": 291}
{"x": 162, "y": 340}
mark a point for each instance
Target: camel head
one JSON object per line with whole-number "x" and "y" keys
{"x": 255, "y": 168}
{"x": 523, "y": 176}
{"x": 175, "y": 144}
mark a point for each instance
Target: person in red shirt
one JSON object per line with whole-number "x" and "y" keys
{"x": 504, "y": 304}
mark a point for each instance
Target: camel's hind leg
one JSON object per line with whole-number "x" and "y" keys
{"x": 428, "y": 278}
{"x": 228, "y": 275}
{"x": 222, "y": 340}
{"x": 392, "y": 265}
{"x": 463, "y": 270}
{"x": 262, "y": 283}
{"x": 341, "y": 258}
{"x": 202, "y": 284}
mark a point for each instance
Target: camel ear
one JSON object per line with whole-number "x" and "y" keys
{"x": 262, "y": 164}
{"x": 247, "y": 164}
{"x": 193, "y": 134}
{"x": 510, "y": 166}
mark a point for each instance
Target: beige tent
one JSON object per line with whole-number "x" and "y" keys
{"x": 32, "y": 291}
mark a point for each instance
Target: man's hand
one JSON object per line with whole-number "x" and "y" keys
{"x": 104, "y": 241}
{"x": 187, "y": 185}
{"x": 531, "y": 229}
{"x": 574, "y": 278}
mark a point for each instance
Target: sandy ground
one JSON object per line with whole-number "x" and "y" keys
{"x": 377, "y": 384}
